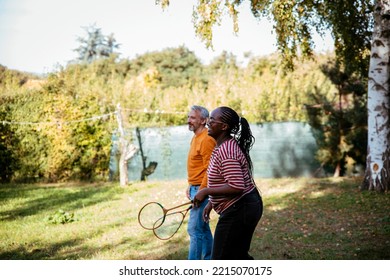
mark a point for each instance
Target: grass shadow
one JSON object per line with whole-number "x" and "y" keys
{"x": 303, "y": 219}
{"x": 29, "y": 200}
{"x": 324, "y": 219}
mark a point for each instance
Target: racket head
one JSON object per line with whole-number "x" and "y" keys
{"x": 151, "y": 215}
{"x": 171, "y": 224}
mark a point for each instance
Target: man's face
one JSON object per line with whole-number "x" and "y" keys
{"x": 194, "y": 120}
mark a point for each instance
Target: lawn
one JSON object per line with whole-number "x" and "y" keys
{"x": 304, "y": 219}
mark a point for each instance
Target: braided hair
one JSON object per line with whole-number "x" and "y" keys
{"x": 240, "y": 130}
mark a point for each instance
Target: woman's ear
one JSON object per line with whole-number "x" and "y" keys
{"x": 225, "y": 126}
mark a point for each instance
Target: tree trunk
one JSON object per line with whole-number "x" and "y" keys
{"x": 123, "y": 176}
{"x": 337, "y": 170}
{"x": 127, "y": 150}
{"x": 377, "y": 175}
{"x": 143, "y": 157}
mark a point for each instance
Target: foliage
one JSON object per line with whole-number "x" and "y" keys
{"x": 340, "y": 121}
{"x": 95, "y": 45}
{"x": 63, "y": 140}
{"x": 61, "y": 217}
{"x": 304, "y": 219}
{"x": 8, "y": 161}
{"x": 47, "y": 143}
{"x": 171, "y": 67}
{"x": 295, "y": 22}
{"x": 12, "y": 78}
{"x": 351, "y": 23}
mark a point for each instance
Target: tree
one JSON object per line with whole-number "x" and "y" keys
{"x": 377, "y": 175}
{"x": 95, "y": 45}
{"x": 339, "y": 121}
{"x": 351, "y": 23}
{"x": 127, "y": 150}
{"x": 176, "y": 67}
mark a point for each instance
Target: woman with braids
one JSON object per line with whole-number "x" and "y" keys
{"x": 231, "y": 189}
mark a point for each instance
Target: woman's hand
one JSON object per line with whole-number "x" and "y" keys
{"x": 206, "y": 212}
{"x": 199, "y": 197}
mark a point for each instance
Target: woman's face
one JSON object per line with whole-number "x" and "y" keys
{"x": 216, "y": 127}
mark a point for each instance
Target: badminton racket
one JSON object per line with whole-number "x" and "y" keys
{"x": 152, "y": 215}
{"x": 171, "y": 224}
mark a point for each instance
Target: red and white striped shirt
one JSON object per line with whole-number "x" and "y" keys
{"x": 228, "y": 165}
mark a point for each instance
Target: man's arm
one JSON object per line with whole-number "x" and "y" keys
{"x": 207, "y": 148}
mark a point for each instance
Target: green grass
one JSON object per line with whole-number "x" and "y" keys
{"x": 303, "y": 219}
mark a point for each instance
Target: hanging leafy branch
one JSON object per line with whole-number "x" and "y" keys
{"x": 295, "y": 22}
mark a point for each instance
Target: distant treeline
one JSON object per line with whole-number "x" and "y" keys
{"x": 59, "y": 127}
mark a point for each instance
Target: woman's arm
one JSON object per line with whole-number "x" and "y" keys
{"x": 224, "y": 190}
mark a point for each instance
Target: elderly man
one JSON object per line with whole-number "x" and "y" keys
{"x": 202, "y": 145}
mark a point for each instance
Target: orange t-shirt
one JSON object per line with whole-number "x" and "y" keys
{"x": 201, "y": 147}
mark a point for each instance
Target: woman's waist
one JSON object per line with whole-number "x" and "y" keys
{"x": 221, "y": 203}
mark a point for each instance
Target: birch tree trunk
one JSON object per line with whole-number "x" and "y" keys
{"x": 127, "y": 150}
{"x": 377, "y": 175}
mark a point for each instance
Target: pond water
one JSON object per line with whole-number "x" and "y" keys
{"x": 285, "y": 149}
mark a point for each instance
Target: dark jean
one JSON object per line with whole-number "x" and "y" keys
{"x": 235, "y": 227}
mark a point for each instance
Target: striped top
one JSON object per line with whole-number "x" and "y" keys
{"x": 228, "y": 165}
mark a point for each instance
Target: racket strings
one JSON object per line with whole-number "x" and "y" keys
{"x": 170, "y": 225}
{"x": 151, "y": 216}
{"x": 163, "y": 222}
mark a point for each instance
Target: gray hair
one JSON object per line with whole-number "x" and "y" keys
{"x": 204, "y": 113}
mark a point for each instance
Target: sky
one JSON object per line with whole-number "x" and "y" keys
{"x": 39, "y": 35}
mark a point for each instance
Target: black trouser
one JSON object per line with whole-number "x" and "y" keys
{"x": 235, "y": 227}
